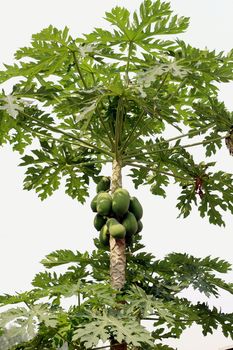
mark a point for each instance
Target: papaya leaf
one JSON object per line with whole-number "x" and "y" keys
{"x": 103, "y": 326}
{"x": 60, "y": 257}
{"x": 24, "y": 322}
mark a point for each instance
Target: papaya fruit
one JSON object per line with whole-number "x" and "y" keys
{"x": 130, "y": 223}
{"x": 117, "y": 231}
{"x": 103, "y": 184}
{"x": 140, "y": 226}
{"x": 99, "y": 221}
{"x": 104, "y": 203}
{"x": 135, "y": 208}
{"x": 104, "y": 236}
{"x": 120, "y": 202}
{"x": 94, "y": 204}
{"x": 111, "y": 221}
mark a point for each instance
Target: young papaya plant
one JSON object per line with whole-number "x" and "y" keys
{"x": 112, "y": 96}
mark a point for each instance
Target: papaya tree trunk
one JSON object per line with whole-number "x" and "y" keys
{"x": 117, "y": 250}
{"x": 117, "y": 247}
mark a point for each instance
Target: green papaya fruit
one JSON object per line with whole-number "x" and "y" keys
{"x": 104, "y": 203}
{"x": 111, "y": 221}
{"x": 103, "y": 184}
{"x": 120, "y": 202}
{"x": 130, "y": 223}
{"x": 94, "y": 204}
{"x": 117, "y": 231}
{"x": 99, "y": 221}
{"x": 104, "y": 236}
{"x": 136, "y": 208}
{"x": 140, "y": 226}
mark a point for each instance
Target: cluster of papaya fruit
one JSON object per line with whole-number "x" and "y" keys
{"x": 118, "y": 215}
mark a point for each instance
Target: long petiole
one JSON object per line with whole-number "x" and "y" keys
{"x": 161, "y": 85}
{"x": 81, "y": 142}
{"x": 118, "y": 126}
{"x": 146, "y": 167}
{"x": 79, "y": 70}
{"x": 105, "y": 128}
{"x": 40, "y": 134}
{"x": 193, "y": 132}
{"x": 127, "y": 64}
{"x": 128, "y": 139}
{"x": 205, "y": 142}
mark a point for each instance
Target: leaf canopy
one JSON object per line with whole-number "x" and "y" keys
{"x": 118, "y": 94}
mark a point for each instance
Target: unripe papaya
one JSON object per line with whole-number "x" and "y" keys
{"x": 99, "y": 221}
{"x": 120, "y": 201}
{"x": 104, "y": 236}
{"x": 104, "y": 203}
{"x": 140, "y": 226}
{"x": 103, "y": 184}
{"x": 130, "y": 223}
{"x": 136, "y": 208}
{"x": 94, "y": 204}
{"x": 111, "y": 221}
{"x": 117, "y": 231}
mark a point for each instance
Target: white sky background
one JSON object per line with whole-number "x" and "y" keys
{"x": 30, "y": 229}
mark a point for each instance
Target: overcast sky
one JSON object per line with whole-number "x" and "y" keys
{"x": 31, "y": 228}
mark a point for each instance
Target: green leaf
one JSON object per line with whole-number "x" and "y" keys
{"x": 44, "y": 180}
{"x": 60, "y": 257}
{"x": 119, "y": 17}
{"x": 155, "y": 18}
{"x": 145, "y": 305}
{"x": 102, "y": 328}
{"x": 188, "y": 270}
{"x": 8, "y": 340}
{"x": 25, "y": 321}
{"x": 77, "y": 186}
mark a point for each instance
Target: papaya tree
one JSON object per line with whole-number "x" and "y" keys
{"x": 139, "y": 98}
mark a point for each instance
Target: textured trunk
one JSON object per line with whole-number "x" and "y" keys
{"x": 117, "y": 251}
{"x": 117, "y": 247}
